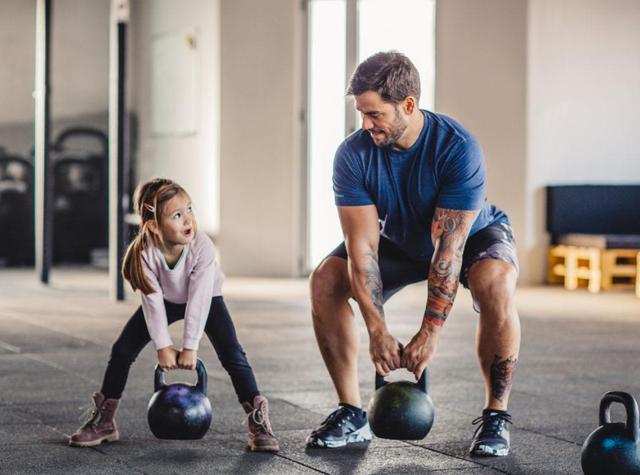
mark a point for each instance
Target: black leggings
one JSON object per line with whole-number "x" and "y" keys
{"x": 220, "y": 330}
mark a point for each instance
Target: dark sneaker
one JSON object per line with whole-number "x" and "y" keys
{"x": 491, "y": 438}
{"x": 261, "y": 437}
{"x": 343, "y": 426}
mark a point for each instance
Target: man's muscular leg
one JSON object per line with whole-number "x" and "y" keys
{"x": 335, "y": 327}
{"x": 338, "y": 340}
{"x": 492, "y": 283}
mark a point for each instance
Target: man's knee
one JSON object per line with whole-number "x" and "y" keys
{"x": 493, "y": 284}
{"x": 329, "y": 283}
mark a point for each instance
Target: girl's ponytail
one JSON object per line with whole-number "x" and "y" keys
{"x": 132, "y": 268}
{"x": 149, "y": 199}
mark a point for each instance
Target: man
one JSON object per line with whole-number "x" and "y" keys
{"x": 410, "y": 191}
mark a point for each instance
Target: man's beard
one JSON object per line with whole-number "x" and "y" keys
{"x": 396, "y": 130}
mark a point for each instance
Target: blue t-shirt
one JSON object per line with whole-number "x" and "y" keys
{"x": 444, "y": 168}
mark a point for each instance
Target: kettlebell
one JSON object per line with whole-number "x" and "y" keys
{"x": 401, "y": 410}
{"x": 613, "y": 447}
{"x": 179, "y": 411}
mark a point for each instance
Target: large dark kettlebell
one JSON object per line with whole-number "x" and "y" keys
{"x": 179, "y": 410}
{"x": 613, "y": 447}
{"x": 401, "y": 410}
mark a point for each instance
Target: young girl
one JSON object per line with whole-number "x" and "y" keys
{"x": 174, "y": 267}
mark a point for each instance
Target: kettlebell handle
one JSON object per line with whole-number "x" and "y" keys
{"x": 423, "y": 382}
{"x": 159, "y": 380}
{"x": 631, "y": 407}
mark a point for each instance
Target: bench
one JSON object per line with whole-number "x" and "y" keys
{"x": 595, "y": 236}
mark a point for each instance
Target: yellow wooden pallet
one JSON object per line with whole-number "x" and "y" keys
{"x": 638, "y": 275}
{"x": 574, "y": 266}
{"x": 619, "y": 268}
{"x": 594, "y": 268}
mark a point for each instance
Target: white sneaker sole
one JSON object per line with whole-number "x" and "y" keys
{"x": 486, "y": 451}
{"x": 361, "y": 435}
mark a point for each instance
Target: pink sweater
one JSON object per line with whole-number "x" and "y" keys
{"x": 194, "y": 280}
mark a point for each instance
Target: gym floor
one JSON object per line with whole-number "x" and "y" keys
{"x": 54, "y": 344}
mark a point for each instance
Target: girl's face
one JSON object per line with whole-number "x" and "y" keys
{"x": 178, "y": 224}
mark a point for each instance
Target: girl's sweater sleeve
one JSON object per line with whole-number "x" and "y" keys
{"x": 154, "y": 311}
{"x": 201, "y": 284}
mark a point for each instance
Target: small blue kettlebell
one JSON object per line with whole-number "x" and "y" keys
{"x": 179, "y": 410}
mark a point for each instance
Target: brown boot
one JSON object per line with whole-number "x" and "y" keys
{"x": 261, "y": 436}
{"x": 101, "y": 425}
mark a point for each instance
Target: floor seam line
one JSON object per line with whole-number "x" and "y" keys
{"x": 456, "y": 457}
{"x": 300, "y": 463}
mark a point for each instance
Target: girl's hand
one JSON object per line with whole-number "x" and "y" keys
{"x": 187, "y": 359}
{"x": 167, "y": 358}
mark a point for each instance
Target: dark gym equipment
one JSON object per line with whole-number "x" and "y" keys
{"x": 80, "y": 193}
{"x": 401, "y": 410}
{"x": 179, "y": 411}
{"x": 613, "y": 447}
{"x": 16, "y": 210}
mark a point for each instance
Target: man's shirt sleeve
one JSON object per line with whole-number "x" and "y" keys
{"x": 463, "y": 177}
{"x": 348, "y": 179}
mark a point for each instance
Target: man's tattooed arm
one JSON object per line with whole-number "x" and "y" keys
{"x": 449, "y": 232}
{"x": 373, "y": 282}
{"x": 362, "y": 237}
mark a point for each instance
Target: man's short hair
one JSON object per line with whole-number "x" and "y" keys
{"x": 391, "y": 74}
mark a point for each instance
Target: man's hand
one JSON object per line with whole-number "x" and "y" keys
{"x": 419, "y": 352}
{"x": 385, "y": 351}
{"x": 167, "y": 358}
{"x": 187, "y": 359}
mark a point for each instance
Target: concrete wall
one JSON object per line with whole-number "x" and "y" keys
{"x": 191, "y": 160}
{"x": 261, "y": 158}
{"x": 583, "y": 102}
{"x": 481, "y": 82}
{"x": 17, "y": 43}
{"x": 79, "y": 67}
{"x": 80, "y": 57}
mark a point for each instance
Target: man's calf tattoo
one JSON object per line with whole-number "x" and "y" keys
{"x": 501, "y": 374}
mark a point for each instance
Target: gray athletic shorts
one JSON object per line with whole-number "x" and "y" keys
{"x": 399, "y": 269}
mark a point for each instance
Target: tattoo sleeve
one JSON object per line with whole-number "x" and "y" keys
{"x": 373, "y": 282}
{"x": 449, "y": 231}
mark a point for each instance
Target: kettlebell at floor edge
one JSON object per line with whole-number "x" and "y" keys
{"x": 613, "y": 448}
{"x": 401, "y": 410}
{"x": 179, "y": 411}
